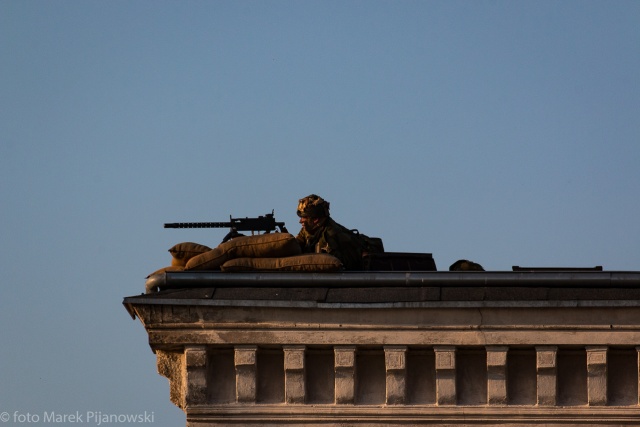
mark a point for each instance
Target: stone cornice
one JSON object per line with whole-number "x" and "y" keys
{"x": 459, "y": 349}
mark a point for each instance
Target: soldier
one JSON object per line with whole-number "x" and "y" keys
{"x": 321, "y": 234}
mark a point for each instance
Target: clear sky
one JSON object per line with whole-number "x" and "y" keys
{"x": 505, "y": 132}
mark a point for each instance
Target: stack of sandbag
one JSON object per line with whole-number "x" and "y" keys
{"x": 264, "y": 252}
{"x": 313, "y": 263}
{"x": 183, "y": 252}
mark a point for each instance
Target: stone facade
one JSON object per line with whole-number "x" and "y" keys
{"x": 439, "y": 349}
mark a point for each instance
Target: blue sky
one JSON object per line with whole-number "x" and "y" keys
{"x": 503, "y": 132}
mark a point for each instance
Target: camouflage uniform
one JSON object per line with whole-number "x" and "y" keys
{"x": 327, "y": 236}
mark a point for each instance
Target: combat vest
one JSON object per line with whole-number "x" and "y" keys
{"x": 345, "y": 244}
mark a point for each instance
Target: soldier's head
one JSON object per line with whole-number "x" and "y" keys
{"x": 312, "y": 211}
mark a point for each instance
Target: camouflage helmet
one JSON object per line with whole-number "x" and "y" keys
{"x": 313, "y": 206}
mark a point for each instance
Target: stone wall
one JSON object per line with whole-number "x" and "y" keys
{"x": 274, "y": 360}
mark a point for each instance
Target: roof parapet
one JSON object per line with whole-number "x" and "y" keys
{"x": 560, "y": 278}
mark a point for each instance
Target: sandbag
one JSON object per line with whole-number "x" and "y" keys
{"x": 211, "y": 260}
{"x": 164, "y": 269}
{"x": 465, "y": 265}
{"x": 315, "y": 263}
{"x": 183, "y": 252}
{"x": 269, "y": 245}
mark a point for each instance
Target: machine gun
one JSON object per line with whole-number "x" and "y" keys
{"x": 266, "y": 223}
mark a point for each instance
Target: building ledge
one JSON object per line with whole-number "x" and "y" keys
{"x": 394, "y": 289}
{"x": 552, "y": 348}
{"x": 374, "y": 279}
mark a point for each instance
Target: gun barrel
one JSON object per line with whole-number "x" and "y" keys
{"x": 265, "y": 223}
{"x": 198, "y": 225}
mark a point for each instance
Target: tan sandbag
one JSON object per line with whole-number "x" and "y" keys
{"x": 211, "y": 260}
{"x": 465, "y": 265}
{"x": 269, "y": 245}
{"x": 314, "y": 263}
{"x": 170, "y": 268}
{"x": 183, "y": 252}
{"x": 260, "y": 246}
